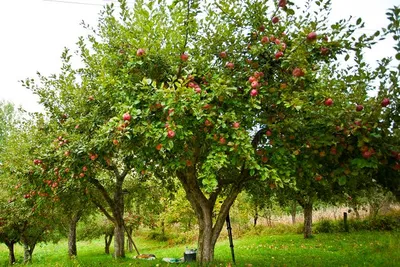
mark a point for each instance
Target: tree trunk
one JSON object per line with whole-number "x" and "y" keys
{"x": 129, "y": 231}
{"x": 119, "y": 241}
{"x": 28, "y": 251}
{"x": 72, "y": 250}
{"x": 203, "y": 206}
{"x": 107, "y": 238}
{"x": 293, "y": 211}
{"x": 11, "y": 255}
{"x": 308, "y": 219}
{"x": 255, "y": 216}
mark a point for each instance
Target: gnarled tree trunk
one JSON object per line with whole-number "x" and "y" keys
{"x": 72, "y": 250}
{"x": 209, "y": 231}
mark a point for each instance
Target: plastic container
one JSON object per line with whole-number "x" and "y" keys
{"x": 190, "y": 255}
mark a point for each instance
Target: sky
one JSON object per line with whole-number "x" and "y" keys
{"x": 33, "y": 34}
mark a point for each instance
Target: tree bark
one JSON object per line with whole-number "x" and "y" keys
{"x": 209, "y": 231}
{"x": 11, "y": 254}
{"x": 72, "y": 250}
{"x": 107, "y": 238}
{"x": 308, "y": 219}
{"x": 28, "y": 251}
{"x": 293, "y": 211}
{"x": 119, "y": 241}
{"x": 129, "y": 232}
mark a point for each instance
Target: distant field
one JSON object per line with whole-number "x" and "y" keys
{"x": 354, "y": 249}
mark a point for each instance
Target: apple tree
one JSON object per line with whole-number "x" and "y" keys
{"x": 217, "y": 94}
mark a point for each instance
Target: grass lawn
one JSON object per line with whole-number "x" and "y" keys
{"x": 354, "y": 249}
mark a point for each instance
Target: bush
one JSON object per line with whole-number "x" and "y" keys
{"x": 379, "y": 223}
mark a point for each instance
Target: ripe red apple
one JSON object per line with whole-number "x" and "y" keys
{"x": 261, "y": 28}
{"x": 333, "y": 151}
{"x": 115, "y": 142}
{"x": 255, "y": 84}
{"x": 230, "y": 65}
{"x": 81, "y": 175}
{"x": 268, "y": 133}
{"x": 278, "y": 55}
{"x": 126, "y": 117}
{"x": 197, "y": 89}
{"x": 140, "y": 52}
{"x": 253, "y": 92}
{"x": 264, "y": 39}
{"x": 328, "y": 102}
{"x": 277, "y": 41}
{"x": 297, "y": 72}
{"x": 282, "y": 3}
{"x": 207, "y": 123}
{"x": 223, "y": 54}
{"x": 318, "y": 178}
{"x": 159, "y": 146}
{"x": 184, "y": 57}
{"x": 188, "y": 163}
{"x": 324, "y": 51}
{"x": 222, "y": 141}
{"x": 264, "y": 159}
{"x": 84, "y": 168}
{"x": 312, "y": 36}
{"x": 258, "y": 74}
{"x": 275, "y": 20}
{"x": 252, "y": 79}
{"x": 367, "y": 154}
{"x": 171, "y": 134}
{"x": 359, "y": 107}
{"x": 385, "y": 102}
{"x": 236, "y": 125}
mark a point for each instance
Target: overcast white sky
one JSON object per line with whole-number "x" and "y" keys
{"x": 33, "y": 34}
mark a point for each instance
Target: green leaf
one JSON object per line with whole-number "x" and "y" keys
{"x": 342, "y": 180}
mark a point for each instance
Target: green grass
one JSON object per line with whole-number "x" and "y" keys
{"x": 354, "y": 249}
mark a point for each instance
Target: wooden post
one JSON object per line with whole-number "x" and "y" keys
{"x": 346, "y": 226}
{"x": 228, "y": 226}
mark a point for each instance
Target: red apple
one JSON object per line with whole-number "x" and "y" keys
{"x": 159, "y": 146}
{"x": 252, "y": 79}
{"x": 236, "y": 125}
{"x": 230, "y": 65}
{"x": 115, "y": 142}
{"x": 84, "y": 168}
{"x": 223, "y": 54}
{"x": 81, "y": 175}
{"x": 367, "y": 154}
{"x": 297, "y": 72}
{"x": 140, "y": 52}
{"x": 184, "y": 57}
{"x": 385, "y": 102}
{"x": 318, "y": 178}
{"x": 275, "y": 20}
{"x": 222, "y": 141}
{"x": 207, "y": 123}
{"x": 126, "y": 117}
{"x": 278, "y": 55}
{"x": 324, "y": 51}
{"x": 264, "y": 39}
{"x": 282, "y": 3}
{"x": 312, "y": 36}
{"x": 328, "y": 102}
{"x": 268, "y": 133}
{"x": 261, "y": 28}
{"x": 255, "y": 84}
{"x": 253, "y": 92}
{"x": 264, "y": 159}
{"x": 171, "y": 134}
{"x": 359, "y": 107}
